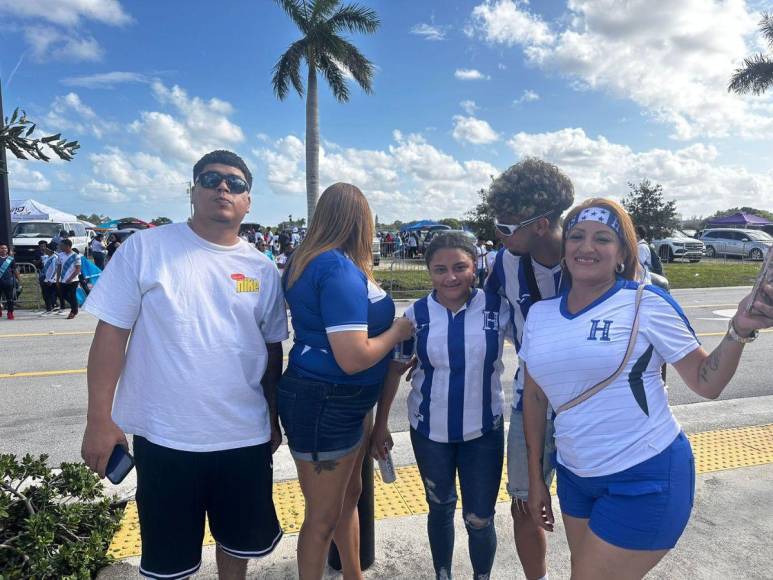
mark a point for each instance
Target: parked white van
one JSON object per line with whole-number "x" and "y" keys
{"x": 27, "y": 234}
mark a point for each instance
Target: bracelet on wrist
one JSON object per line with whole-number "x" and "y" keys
{"x": 733, "y": 335}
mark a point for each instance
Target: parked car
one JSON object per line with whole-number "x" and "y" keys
{"x": 751, "y": 244}
{"x": 678, "y": 245}
{"x": 27, "y": 234}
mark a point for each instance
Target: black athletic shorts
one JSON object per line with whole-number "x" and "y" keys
{"x": 176, "y": 489}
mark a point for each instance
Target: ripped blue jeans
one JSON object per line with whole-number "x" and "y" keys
{"x": 479, "y": 464}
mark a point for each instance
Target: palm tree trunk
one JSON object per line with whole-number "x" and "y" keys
{"x": 312, "y": 144}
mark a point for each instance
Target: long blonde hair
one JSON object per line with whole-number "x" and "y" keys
{"x": 341, "y": 221}
{"x": 628, "y": 233}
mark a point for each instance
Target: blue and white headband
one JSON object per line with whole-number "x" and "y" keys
{"x": 596, "y": 214}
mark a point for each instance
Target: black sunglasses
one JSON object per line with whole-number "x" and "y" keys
{"x": 211, "y": 179}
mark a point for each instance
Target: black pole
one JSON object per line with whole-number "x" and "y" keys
{"x": 366, "y": 510}
{"x": 5, "y": 201}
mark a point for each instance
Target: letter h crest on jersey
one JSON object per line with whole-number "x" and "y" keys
{"x": 600, "y": 327}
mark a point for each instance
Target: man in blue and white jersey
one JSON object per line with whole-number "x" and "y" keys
{"x": 48, "y": 274}
{"x": 527, "y": 200}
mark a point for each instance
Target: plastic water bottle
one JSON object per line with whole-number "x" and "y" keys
{"x": 404, "y": 350}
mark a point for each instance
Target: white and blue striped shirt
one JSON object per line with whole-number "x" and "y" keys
{"x": 509, "y": 278}
{"x": 456, "y": 392}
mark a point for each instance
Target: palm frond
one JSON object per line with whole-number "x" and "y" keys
{"x": 754, "y": 77}
{"x": 322, "y": 9}
{"x": 334, "y": 76}
{"x": 355, "y": 62}
{"x": 766, "y": 28}
{"x": 288, "y": 70}
{"x": 355, "y": 18}
{"x": 297, "y": 12}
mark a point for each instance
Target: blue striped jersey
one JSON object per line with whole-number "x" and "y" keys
{"x": 68, "y": 263}
{"x": 629, "y": 421}
{"x": 508, "y": 278}
{"x": 456, "y": 391}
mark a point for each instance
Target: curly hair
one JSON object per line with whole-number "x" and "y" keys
{"x": 529, "y": 188}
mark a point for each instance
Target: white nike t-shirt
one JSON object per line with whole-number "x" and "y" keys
{"x": 201, "y": 315}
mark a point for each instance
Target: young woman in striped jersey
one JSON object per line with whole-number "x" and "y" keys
{"x": 456, "y": 402}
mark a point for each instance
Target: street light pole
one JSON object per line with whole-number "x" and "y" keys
{"x": 5, "y": 201}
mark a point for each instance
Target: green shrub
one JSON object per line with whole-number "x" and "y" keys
{"x": 53, "y": 524}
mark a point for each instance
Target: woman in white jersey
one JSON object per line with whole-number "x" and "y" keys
{"x": 626, "y": 473}
{"x": 455, "y": 404}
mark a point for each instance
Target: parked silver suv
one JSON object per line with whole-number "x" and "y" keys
{"x": 751, "y": 244}
{"x": 679, "y": 245}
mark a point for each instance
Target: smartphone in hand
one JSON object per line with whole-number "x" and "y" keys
{"x": 119, "y": 465}
{"x": 765, "y": 277}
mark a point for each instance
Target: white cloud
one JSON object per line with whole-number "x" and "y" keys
{"x": 409, "y": 179}
{"x": 469, "y": 74}
{"x": 673, "y": 61}
{"x": 429, "y": 31}
{"x": 104, "y": 192}
{"x": 469, "y": 107}
{"x": 55, "y": 32}
{"x": 528, "y": 96}
{"x": 21, "y": 176}
{"x": 70, "y": 112}
{"x": 138, "y": 176}
{"x": 693, "y": 175}
{"x": 107, "y": 80}
{"x": 68, "y": 12}
{"x": 505, "y": 22}
{"x": 50, "y": 43}
{"x": 199, "y": 126}
{"x": 472, "y": 130}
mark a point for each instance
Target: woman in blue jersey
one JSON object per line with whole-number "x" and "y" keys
{"x": 456, "y": 402}
{"x": 626, "y": 473}
{"x": 344, "y": 331}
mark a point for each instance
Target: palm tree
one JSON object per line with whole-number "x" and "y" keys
{"x": 757, "y": 73}
{"x": 325, "y": 50}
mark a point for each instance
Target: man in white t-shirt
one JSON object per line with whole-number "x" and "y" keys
{"x": 196, "y": 386}
{"x": 527, "y": 200}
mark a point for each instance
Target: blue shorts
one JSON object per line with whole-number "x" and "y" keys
{"x": 645, "y": 507}
{"x": 323, "y": 421}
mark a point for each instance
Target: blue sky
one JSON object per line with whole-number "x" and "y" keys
{"x": 612, "y": 91}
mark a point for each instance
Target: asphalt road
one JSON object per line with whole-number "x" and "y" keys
{"x": 46, "y": 414}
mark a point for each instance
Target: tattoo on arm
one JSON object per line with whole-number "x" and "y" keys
{"x": 711, "y": 364}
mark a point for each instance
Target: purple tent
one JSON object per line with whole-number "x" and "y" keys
{"x": 740, "y": 219}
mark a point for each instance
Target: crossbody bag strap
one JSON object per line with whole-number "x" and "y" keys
{"x": 609, "y": 380}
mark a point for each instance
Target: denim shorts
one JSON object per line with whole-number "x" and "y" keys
{"x": 517, "y": 463}
{"x": 645, "y": 507}
{"x": 323, "y": 421}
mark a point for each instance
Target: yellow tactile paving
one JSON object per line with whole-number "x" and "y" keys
{"x": 714, "y": 451}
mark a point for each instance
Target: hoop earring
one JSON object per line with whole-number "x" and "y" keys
{"x": 562, "y": 263}
{"x": 620, "y": 268}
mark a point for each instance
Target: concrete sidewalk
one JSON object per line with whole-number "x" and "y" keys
{"x": 730, "y": 534}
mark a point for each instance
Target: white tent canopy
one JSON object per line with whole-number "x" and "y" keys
{"x": 31, "y": 210}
